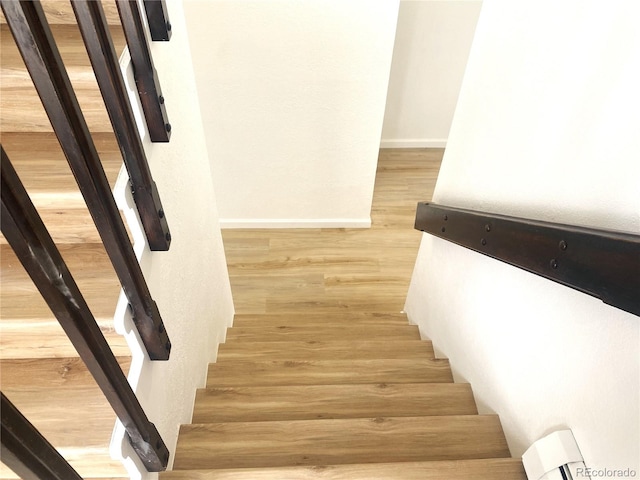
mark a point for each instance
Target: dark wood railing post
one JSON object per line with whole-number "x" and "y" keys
{"x": 35, "y": 41}
{"x": 23, "y": 228}
{"x": 26, "y": 451}
{"x": 601, "y": 263}
{"x": 158, "y": 20}
{"x": 95, "y": 32}
{"x": 144, "y": 72}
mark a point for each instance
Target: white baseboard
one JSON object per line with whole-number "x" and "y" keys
{"x": 413, "y": 143}
{"x": 295, "y": 223}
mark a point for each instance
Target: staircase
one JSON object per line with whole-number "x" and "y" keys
{"x": 320, "y": 376}
{"x": 41, "y": 372}
{"x": 336, "y": 396}
{"x": 340, "y": 393}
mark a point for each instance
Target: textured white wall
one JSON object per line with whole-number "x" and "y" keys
{"x": 190, "y": 282}
{"x": 293, "y": 96}
{"x": 433, "y": 40}
{"x": 546, "y": 127}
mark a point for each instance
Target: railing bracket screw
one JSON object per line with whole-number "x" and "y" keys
{"x": 563, "y": 245}
{"x": 553, "y": 263}
{"x": 483, "y": 241}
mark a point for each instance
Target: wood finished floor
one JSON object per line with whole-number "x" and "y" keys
{"x": 338, "y": 270}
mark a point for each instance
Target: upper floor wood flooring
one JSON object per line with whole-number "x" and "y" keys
{"x": 338, "y": 270}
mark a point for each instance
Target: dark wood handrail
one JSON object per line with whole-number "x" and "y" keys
{"x": 601, "y": 263}
{"x": 158, "y": 20}
{"x": 25, "y": 232}
{"x": 35, "y": 42}
{"x": 96, "y": 36}
{"x": 144, "y": 72}
{"x": 26, "y": 452}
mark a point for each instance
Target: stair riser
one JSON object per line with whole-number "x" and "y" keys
{"x": 328, "y": 372}
{"x": 316, "y": 319}
{"x": 322, "y": 333}
{"x": 336, "y": 350}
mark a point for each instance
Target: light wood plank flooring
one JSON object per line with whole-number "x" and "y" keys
{"x": 338, "y": 270}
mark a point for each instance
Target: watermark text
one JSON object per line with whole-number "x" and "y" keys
{"x": 588, "y": 472}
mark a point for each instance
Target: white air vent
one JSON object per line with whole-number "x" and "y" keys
{"x": 555, "y": 457}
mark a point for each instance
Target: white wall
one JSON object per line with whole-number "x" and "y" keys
{"x": 433, "y": 40}
{"x": 546, "y": 127}
{"x": 293, "y": 96}
{"x": 190, "y": 282}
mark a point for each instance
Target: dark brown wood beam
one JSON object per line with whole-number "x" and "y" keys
{"x": 144, "y": 72}
{"x": 158, "y": 20}
{"x": 601, "y": 263}
{"x": 96, "y": 36}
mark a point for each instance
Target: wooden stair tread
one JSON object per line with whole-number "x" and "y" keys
{"x": 228, "y": 404}
{"x": 28, "y": 328}
{"x": 247, "y": 244}
{"x": 63, "y": 415}
{"x": 72, "y": 50}
{"x": 68, "y": 225}
{"x": 64, "y": 401}
{"x": 311, "y": 333}
{"x": 20, "y": 104}
{"x": 61, "y": 12}
{"x": 23, "y": 111}
{"x": 90, "y": 267}
{"x": 322, "y": 372}
{"x": 68, "y": 39}
{"x": 475, "y": 469}
{"x": 60, "y": 397}
{"x": 68, "y": 372}
{"x": 48, "y": 340}
{"x": 44, "y": 171}
{"x": 87, "y": 461}
{"x": 316, "y": 319}
{"x": 327, "y": 350}
{"x": 338, "y": 441}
